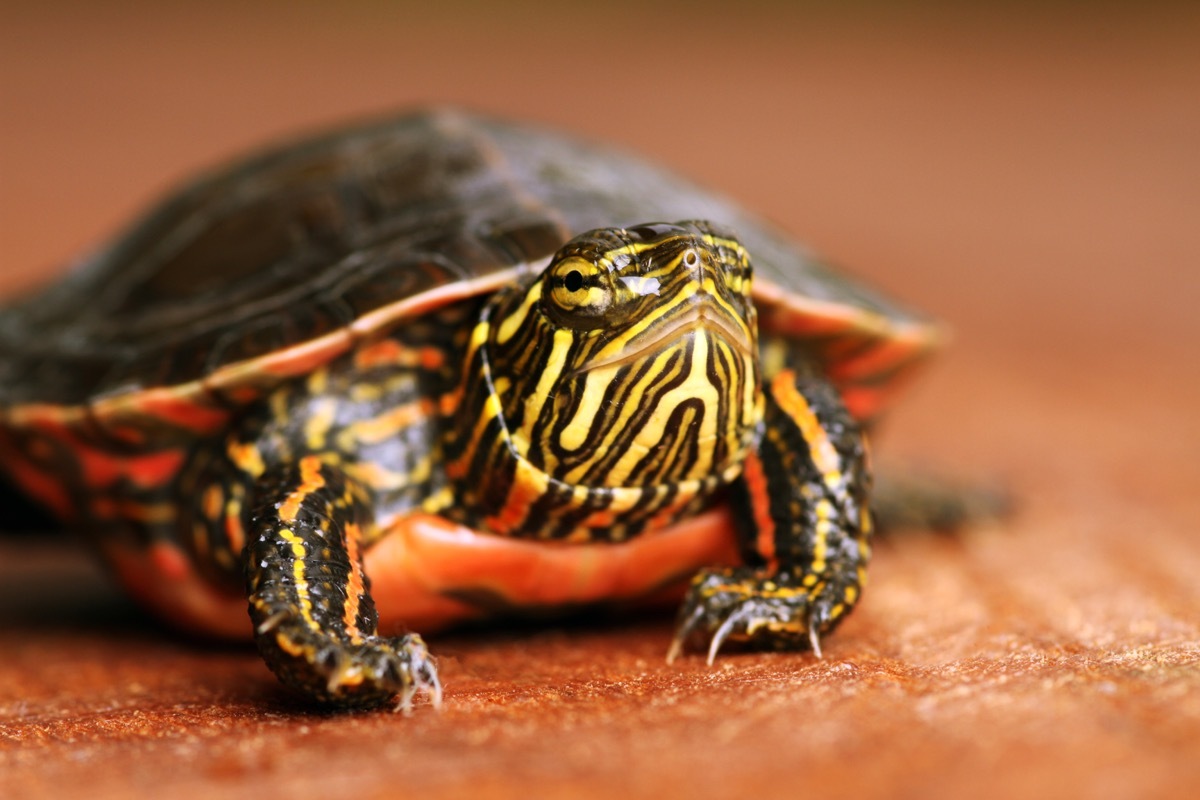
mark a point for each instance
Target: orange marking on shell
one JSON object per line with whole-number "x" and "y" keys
{"x": 46, "y": 417}
{"x": 165, "y": 583}
{"x": 864, "y": 402}
{"x": 128, "y": 434}
{"x": 311, "y": 480}
{"x": 760, "y": 506}
{"x": 102, "y": 507}
{"x": 170, "y": 562}
{"x": 356, "y": 583}
{"x": 98, "y": 468}
{"x": 44, "y": 486}
{"x": 300, "y": 359}
{"x": 854, "y": 345}
{"x": 178, "y": 406}
{"x": 39, "y": 480}
{"x": 101, "y": 469}
{"x": 879, "y": 359}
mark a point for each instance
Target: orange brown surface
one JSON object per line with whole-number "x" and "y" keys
{"x": 1031, "y": 176}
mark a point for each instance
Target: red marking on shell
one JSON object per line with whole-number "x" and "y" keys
{"x": 178, "y": 407}
{"x": 169, "y": 562}
{"x": 101, "y": 469}
{"x": 188, "y": 404}
{"x": 865, "y": 402}
{"x": 44, "y": 487}
{"x": 163, "y": 580}
{"x": 128, "y": 434}
{"x": 855, "y": 345}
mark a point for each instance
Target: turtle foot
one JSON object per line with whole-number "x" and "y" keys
{"x": 742, "y": 605}
{"x": 366, "y": 672}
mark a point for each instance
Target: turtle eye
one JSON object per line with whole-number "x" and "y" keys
{"x": 578, "y": 293}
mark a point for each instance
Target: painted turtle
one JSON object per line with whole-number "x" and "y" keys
{"x": 503, "y": 368}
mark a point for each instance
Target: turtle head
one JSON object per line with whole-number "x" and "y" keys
{"x": 633, "y": 359}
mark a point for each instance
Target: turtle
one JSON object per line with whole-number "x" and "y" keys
{"x": 499, "y": 368}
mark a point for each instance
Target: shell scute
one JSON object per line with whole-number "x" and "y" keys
{"x": 263, "y": 271}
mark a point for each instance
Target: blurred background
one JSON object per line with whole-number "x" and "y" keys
{"x": 1001, "y": 137}
{"x": 1027, "y": 171}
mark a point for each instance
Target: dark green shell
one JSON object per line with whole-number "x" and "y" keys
{"x": 304, "y": 241}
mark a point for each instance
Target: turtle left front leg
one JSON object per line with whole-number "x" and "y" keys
{"x": 314, "y": 619}
{"x": 804, "y": 526}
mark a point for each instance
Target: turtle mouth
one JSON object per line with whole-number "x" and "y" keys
{"x": 699, "y": 319}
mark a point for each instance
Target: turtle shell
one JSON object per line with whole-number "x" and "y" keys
{"x": 264, "y": 270}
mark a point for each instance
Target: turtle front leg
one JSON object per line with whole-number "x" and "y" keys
{"x": 314, "y": 620}
{"x": 801, "y": 505}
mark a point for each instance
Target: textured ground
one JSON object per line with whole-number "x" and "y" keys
{"x": 1031, "y": 176}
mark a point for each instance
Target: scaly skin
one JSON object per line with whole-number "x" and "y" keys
{"x": 310, "y": 601}
{"x": 543, "y": 435}
{"x": 805, "y": 527}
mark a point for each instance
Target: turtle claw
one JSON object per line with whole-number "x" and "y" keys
{"x": 738, "y": 620}
{"x": 741, "y": 605}
{"x": 422, "y": 678}
{"x": 363, "y": 673}
{"x": 683, "y": 632}
{"x": 814, "y": 636}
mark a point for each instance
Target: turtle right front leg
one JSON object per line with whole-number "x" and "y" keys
{"x": 805, "y": 527}
{"x": 314, "y": 619}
